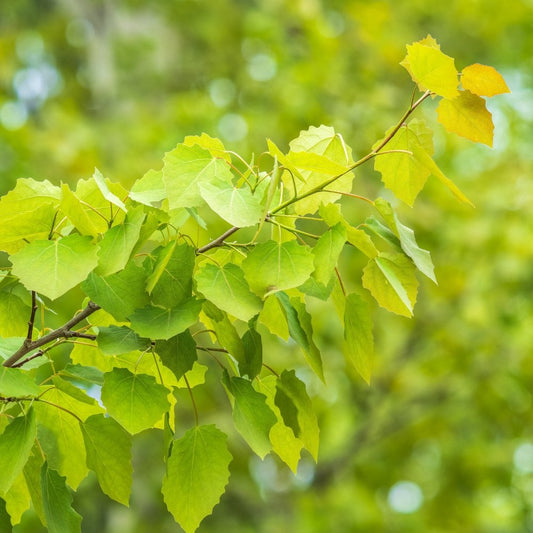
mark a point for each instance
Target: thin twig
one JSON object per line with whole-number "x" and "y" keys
{"x": 64, "y": 331}
{"x": 219, "y": 241}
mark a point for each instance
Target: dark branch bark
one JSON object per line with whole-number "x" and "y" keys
{"x": 219, "y": 241}
{"x": 63, "y": 332}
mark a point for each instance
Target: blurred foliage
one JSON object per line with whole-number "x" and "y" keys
{"x": 443, "y": 439}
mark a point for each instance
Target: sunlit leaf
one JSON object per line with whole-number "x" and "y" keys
{"x": 483, "y": 80}
{"x": 273, "y": 266}
{"x": 226, "y": 287}
{"x": 238, "y": 206}
{"x": 197, "y": 474}
{"x": 467, "y": 115}
{"x": 431, "y": 69}
{"x": 53, "y": 267}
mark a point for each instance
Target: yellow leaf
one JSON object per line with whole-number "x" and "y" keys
{"x": 483, "y": 80}
{"x": 467, "y": 116}
{"x": 430, "y": 68}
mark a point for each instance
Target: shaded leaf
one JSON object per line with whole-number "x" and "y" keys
{"x": 108, "y": 448}
{"x": 136, "y": 401}
{"x": 251, "y": 415}
{"x": 115, "y": 340}
{"x": 119, "y": 294}
{"x": 15, "y": 447}
{"x": 161, "y": 323}
{"x": 57, "y": 503}
{"x": 358, "y": 338}
{"x": 294, "y": 404}
{"x": 177, "y": 353}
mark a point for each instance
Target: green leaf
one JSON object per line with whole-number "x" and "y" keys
{"x": 108, "y": 448}
{"x": 170, "y": 282}
{"x": 136, "y": 401}
{"x": 87, "y": 209}
{"x": 119, "y": 294}
{"x": 421, "y": 258}
{"x": 358, "y": 338}
{"x": 213, "y": 145}
{"x": 16, "y": 382}
{"x": 294, "y": 403}
{"x": 319, "y": 154}
{"x": 106, "y": 193}
{"x": 225, "y": 331}
{"x": 253, "y": 354}
{"x": 161, "y": 323}
{"x": 227, "y": 289}
{"x": 15, "y": 447}
{"x": 273, "y": 266}
{"x": 238, "y": 206}
{"x": 185, "y": 168}
{"x": 21, "y": 227}
{"x": 301, "y": 330}
{"x": 17, "y": 500}
{"x": 118, "y": 243}
{"x": 252, "y": 416}
{"x": 83, "y": 374}
{"x": 284, "y": 443}
{"x": 115, "y": 340}
{"x": 5, "y": 519}
{"x": 195, "y": 376}
{"x": 358, "y": 238}
{"x": 402, "y": 172}
{"x": 391, "y": 280}
{"x": 425, "y": 159}
{"x": 58, "y": 431}
{"x": 177, "y": 353}
{"x": 273, "y": 317}
{"x": 326, "y": 253}
{"x": 32, "y": 476}
{"x": 54, "y": 267}
{"x": 18, "y": 312}
{"x": 197, "y": 474}
{"x": 57, "y": 503}
{"x": 150, "y": 189}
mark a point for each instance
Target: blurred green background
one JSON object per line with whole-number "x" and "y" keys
{"x": 442, "y": 441}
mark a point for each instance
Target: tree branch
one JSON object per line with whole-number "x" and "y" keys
{"x": 64, "y": 331}
{"x": 219, "y": 241}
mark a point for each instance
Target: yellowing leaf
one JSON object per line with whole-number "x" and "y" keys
{"x": 401, "y": 172}
{"x": 431, "y": 69}
{"x": 467, "y": 116}
{"x": 483, "y": 80}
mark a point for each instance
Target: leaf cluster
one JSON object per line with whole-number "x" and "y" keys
{"x": 167, "y": 295}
